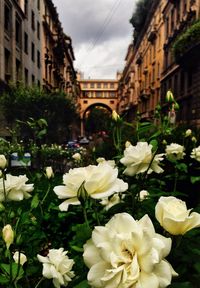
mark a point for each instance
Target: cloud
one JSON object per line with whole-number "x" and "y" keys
{"x": 100, "y": 32}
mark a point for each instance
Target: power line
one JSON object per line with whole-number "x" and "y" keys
{"x": 103, "y": 27}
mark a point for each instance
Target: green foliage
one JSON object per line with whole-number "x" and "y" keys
{"x": 97, "y": 120}
{"x": 186, "y": 40}
{"x": 29, "y": 105}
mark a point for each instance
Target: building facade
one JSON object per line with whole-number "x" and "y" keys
{"x": 20, "y": 45}
{"x": 97, "y": 92}
{"x": 151, "y": 68}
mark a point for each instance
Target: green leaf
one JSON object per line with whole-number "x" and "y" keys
{"x": 154, "y": 143}
{"x": 182, "y": 167}
{"x": 16, "y": 271}
{"x": 35, "y": 201}
{"x": 83, "y": 284}
{"x": 194, "y": 179}
{"x": 4, "y": 279}
{"x": 77, "y": 249}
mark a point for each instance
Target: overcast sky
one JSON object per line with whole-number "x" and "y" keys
{"x": 100, "y": 32}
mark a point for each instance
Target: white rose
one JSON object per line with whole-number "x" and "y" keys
{"x": 128, "y": 253}
{"x": 8, "y": 235}
{"x": 19, "y": 258}
{"x": 3, "y": 162}
{"x": 143, "y": 195}
{"x": 138, "y": 158}
{"x": 110, "y": 162}
{"x": 98, "y": 181}
{"x": 195, "y": 154}
{"x": 49, "y": 172}
{"x": 76, "y": 156}
{"x": 173, "y": 216}
{"x": 174, "y": 151}
{"x": 16, "y": 188}
{"x": 57, "y": 266}
{"x": 188, "y": 132}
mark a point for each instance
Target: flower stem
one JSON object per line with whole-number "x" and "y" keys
{"x": 39, "y": 282}
{"x": 45, "y": 196}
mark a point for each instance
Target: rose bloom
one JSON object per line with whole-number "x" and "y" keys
{"x": 195, "y": 154}
{"x": 98, "y": 181}
{"x": 3, "y": 162}
{"x": 138, "y": 158}
{"x": 128, "y": 253}
{"x": 16, "y": 188}
{"x": 103, "y": 160}
{"x": 174, "y": 152}
{"x": 49, "y": 172}
{"x": 8, "y": 235}
{"x": 57, "y": 266}
{"x": 173, "y": 216}
{"x": 19, "y": 258}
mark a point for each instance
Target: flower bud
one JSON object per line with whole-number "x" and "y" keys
{"x": 19, "y": 258}
{"x": 115, "y": 116}
{"x": 169, "y": 97}
{"x": 49, "y": 172}
{"x": 143, "y": 195}
{"x": 8, "y": 235}
{"x": 176, "y": 106}
{"x": 188, "y": 132}
{"x": 3, "y": 162}
{"x": 76, "y": 156}
{"x": 194, "y": 139}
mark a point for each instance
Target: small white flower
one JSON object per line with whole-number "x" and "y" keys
{"x": 140, "y": 158}
{"x": 76, "y": 156}
{"x": 19, "y": 258}
{"x": 174, "y": 217}
{"x": 194, "y": 139}
{"x": 3, "y": 162}
{"x": 174, "y": 152}
{"x": 57, "y": 266}
{"x": 195, "y": 154}
{"x": 16, "y": 188}
{"x": 127, "y": 144}
{"x": 143, "y": 195}
{"x": 49, "y": 172}
{"x": 109, "y": 162}
{"x": 188, "y": 132}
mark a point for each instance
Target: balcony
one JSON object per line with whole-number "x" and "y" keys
{"x": 139, "y": 59}
{"x": 145, "y": 94}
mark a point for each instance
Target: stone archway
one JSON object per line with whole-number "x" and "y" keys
{"x": 88, "y": 109}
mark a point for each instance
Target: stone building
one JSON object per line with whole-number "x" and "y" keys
{"x": 97, "y": 92}
{"x": 20, "y": 42}
{"x": 58, "y": 72}
{"x": 181, "y": 74}
{"x": 151, "y": 68}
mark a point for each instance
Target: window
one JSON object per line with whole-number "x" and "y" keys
{"x": 98, "y": 94}
{"x": 38, "y": 30}
{"x": 33, "y": 79}
{"x": 18, "y": 30}
{"x": 38, "y": 5}
{"x": 112, "y": 94}
{"x": 33, "y": 52}
{"x": 112, "y": 85}
{"x": 33, "y": 20}
{"x": 38, "y": 59}
{"x": 26, "y": 76}
{"x": 7, "y": 18}
{"x": 105, "y": 85}
{"x": 98, "y": 85}
{"x": 39, "y": 83}
{"x": 91, "y": 85}
{"x": 85, "y": 85}
{"x": 7, "y": 67}
{"x": 18, "y": 70}
{"x": 25, "y": 42}
{"x": 26, "y": 8}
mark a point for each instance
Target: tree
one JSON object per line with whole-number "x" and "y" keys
{"x": 98, "y": 119}
{"x": 22, "y": 103}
